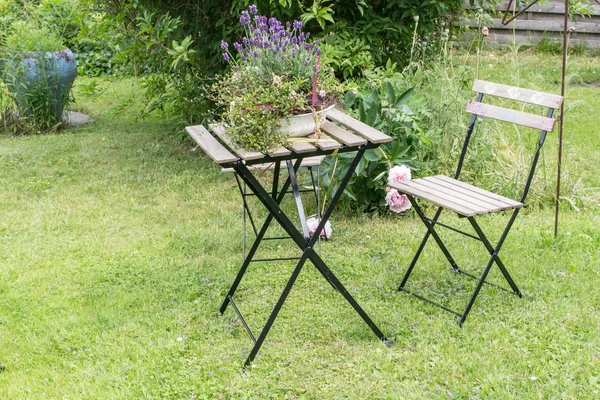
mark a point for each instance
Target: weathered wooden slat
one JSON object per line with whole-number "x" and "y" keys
{"x": 407, "y": 188}
{"x": 279, "y": 152}
{"x": 324, "y": 142}
{"x": 448, "y": 191}
{"x": 519, "y": 94}
{"x": 300, "y": 145}
{"x": 480, "y": 191}
{"x": 358, "y": 127}
{"x": 220, "y": 131}
{"x": 342, "y": 135}
{"x": 513, "y": 116}
{"x": 210, "y": 145}
{"x": 473, "y": 194}
{"x": 307, "y": 162}
{"x": 546, "y": 26}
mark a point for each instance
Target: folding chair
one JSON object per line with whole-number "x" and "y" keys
{"x": 469, "y": 201}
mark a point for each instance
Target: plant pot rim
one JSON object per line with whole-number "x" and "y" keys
{"x": 331, "y": 107}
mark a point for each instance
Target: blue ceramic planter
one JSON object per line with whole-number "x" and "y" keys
{"x": 31, "y": 75}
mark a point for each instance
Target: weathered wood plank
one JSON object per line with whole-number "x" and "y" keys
{"x": 519, "y": 94}
{"x": 358, "y": 127}
{"x": 210, "y": 145}
{"x": 220, "y": 131}
{"x": 557, "y": 7}
{"x": 407, "y": 188}
{"x": 479, "y": 190}
{"x": 279, "y": 152}
{"x": 501, "y": 204}
{"x": 324, "y": 142}
{"x": 300, "y": 145}
{"x": 486, "y": 204}
{"x": 342, "y": 135}
{"x": 513, "y": 116}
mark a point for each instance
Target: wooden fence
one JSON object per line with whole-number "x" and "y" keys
{"x": 545, "y": 20}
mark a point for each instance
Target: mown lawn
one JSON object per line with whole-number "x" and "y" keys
{"x": 118, "y": 244}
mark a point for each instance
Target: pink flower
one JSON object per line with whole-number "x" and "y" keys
{"x": 397, "y": 202}
{"x": 398, "y": 174}
{"x": 313, "y": 223}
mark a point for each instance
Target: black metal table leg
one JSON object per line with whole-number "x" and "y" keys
{"x": 307, "y": 247}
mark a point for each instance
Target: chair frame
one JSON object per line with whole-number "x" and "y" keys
{"x": 552, "y": 102}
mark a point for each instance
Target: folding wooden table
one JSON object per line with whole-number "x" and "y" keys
{"x": 340, "y": 133}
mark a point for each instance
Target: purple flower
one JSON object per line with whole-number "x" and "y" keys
{"x": 287, "y": 25}
{"x": 224, "y": 45}
{"x": 244, "y": 58}
{"x": 245, "y": 18}
{"x": 273, "y": 21}
{"x": 245, "y": 40}
{"x": 226, "y": 56}
{"x": 307, "y": 62}
{"x": 263, "y": 27}
{"x": 294, "y": 40}
{"x": 301, "y": 37}
{"x": 297, "y": 24}
{"x": 253, "y": 9}
{"x": 308, "y": 46}
{"x": 237, "y": 46}
{"x": 255, "y": 54}
{"x": 317, "y": 52}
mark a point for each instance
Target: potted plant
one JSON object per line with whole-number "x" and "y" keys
{"x": 277, "y": 87}
{"x": 39, "y": 72}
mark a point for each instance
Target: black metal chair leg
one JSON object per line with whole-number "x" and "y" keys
{"x": 418, "y": 253}
{"x": 493, "y": 251}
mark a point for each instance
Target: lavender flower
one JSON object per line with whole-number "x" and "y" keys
{"x": 224, "y": 45}
{"x": 238, "y": 47}
{"x": 317, "y": 52}
{"x": 245, "y": 18}
{"x": 308, "y": 46}
{"x": 253, "y": 9}
{"x": 226, "y": 56}
{"x": 297, "y": 24}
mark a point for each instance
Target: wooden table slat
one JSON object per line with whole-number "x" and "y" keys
{"x": 324, "y": 142}
{"x": 342, "y": 135}
{"x": 279, "y": 152}
{"x": 210, "y": 145}
{"x": 307, "y": 162}
{"x": 301, "y": 145}
{"x": 219, "y": 130}
{"x": 358, "y": 127}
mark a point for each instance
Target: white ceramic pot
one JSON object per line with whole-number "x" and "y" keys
{"x": 304, "y": 124}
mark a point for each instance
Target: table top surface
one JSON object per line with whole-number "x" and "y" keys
{"x": 339, "y": 133}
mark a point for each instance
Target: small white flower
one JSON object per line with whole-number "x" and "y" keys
{"x": 533, "y": 378}
{"x": 276, "y": 80}
{"x": 485, "y": 31}
{"x": 322, "y": 94}
{"x": 514, "y": 93}
{"x": 537, "y": 98}
{"x": 490, "y": 88}
{"x": 180, "y": 339}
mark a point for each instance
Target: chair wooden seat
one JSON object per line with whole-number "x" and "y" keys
{"x": 460, "y": 197}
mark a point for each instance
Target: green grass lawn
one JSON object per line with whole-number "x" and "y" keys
{"x": 118, "y": 244}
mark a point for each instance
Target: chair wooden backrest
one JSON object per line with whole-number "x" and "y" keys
{"x": 544, "y": 124}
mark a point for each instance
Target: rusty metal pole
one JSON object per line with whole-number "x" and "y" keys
{"x": 562, "y": 114}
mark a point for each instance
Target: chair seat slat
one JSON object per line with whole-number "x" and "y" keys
{"x": 279, "y": 152}
{"x": 449, "y": 191}
{"x": 210, "y": 145}
{"x": 440, "y": 200}
{"x": 513, "y": 116}
{"x": 300, "y": 145}
{"x": 358, "y": 127}
{"x": 473, "y": 194}
{"x": 519, "y": 94}
{"x": 480, "y": 191}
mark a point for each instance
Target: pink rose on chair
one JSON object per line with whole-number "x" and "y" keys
{"x": 397, "y": 202}
{"x": 398, "y": 174}
{"x": 313, "y": 223}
